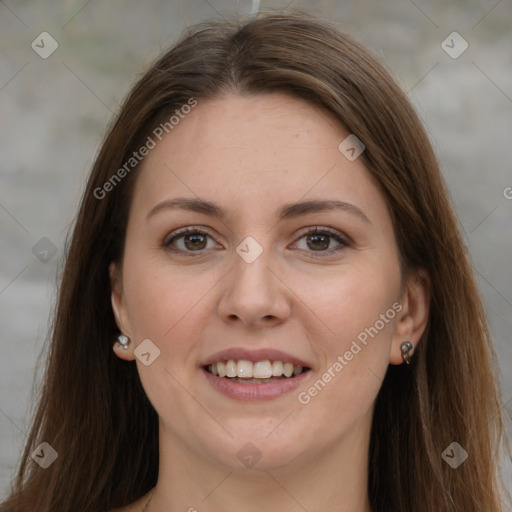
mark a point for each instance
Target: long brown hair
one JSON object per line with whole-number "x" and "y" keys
{"x": 93, "y": 410}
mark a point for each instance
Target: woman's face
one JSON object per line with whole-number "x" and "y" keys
{"x": 290, "y": 259}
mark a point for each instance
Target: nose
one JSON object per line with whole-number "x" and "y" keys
{"x": 254, "y": 295}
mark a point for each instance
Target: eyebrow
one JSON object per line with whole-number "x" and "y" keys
{"x": 287, "y": 211}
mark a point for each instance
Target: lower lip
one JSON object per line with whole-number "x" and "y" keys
{"x": 254, "y": 392}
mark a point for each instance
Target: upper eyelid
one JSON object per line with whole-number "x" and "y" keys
{"x": 185, "y": 231}
{"x": 333, "y": 232}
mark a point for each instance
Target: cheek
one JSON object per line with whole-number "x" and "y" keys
{"x": 356, "y": 306}
{"x": 171, "y": 307}
{"x": 163, "y": 306}
{"x": 159, "y": 299}
{"x": 151, "y": 304}
{"x": 358, "y": 310}
{"x": 350, "y": 301}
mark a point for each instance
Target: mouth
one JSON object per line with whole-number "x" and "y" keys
{"x": 259, "y": 372}
{"x": 256, "y": 379}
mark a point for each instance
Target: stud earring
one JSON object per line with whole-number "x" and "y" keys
{"x": 123, "y": 340}
{"x": 406, "y": 349}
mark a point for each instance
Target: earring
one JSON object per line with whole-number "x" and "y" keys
{"x": 406, "y": 348}
{"x": 123, "y": 340}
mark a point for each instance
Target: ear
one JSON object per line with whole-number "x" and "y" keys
{"x": 120, "y": 313}
{"x": 414, "y": 315}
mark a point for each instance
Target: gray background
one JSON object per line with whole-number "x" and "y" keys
{"x": 54, "y": 113}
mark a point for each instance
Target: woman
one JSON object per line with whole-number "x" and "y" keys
{"x": 266, "y": 302}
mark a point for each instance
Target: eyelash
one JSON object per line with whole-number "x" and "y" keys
{"x": 193, "y": 230}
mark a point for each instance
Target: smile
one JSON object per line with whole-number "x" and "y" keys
{"x": 254, "y": 381}
{"x": 247, "y": 371}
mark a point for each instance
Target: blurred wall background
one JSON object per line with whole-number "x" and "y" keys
{"x": 54, "y": 110}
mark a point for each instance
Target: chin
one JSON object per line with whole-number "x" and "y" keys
{"x": 258, "y": 446}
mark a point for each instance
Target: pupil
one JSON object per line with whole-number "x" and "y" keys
{"x": 195, "y": 240}
{"x": 322, "y": 241}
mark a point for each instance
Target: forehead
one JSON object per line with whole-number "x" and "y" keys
{"x": 253, "y": 152}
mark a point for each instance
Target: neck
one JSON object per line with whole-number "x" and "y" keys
{"x": 334, "y": 480}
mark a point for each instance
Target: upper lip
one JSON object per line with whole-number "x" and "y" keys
{"x": 261, "y": 354}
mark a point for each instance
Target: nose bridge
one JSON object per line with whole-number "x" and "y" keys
{"x": 252, "y": 294}
{"x": 252, "y": 280}
{"x": 253, "y": 275}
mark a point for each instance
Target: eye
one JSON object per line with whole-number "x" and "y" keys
{"x": 322, "y": 240}
{"x": 195, "y": 240}
{"x": 190, "y": 239}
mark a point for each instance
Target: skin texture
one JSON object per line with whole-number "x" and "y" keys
{"x": 251, "y": 155}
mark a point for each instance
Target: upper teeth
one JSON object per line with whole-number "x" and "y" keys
{"x": 259, "y": 370}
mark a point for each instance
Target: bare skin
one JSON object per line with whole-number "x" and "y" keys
{"x": 309, "y": 297}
